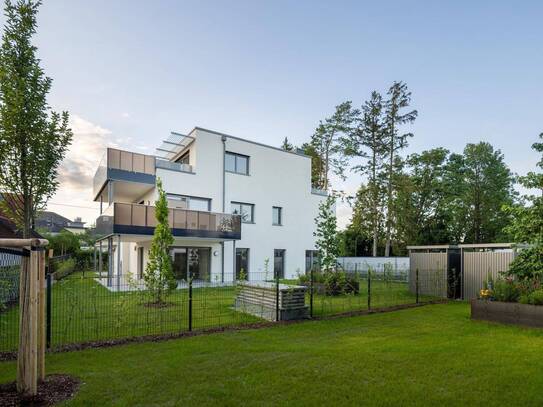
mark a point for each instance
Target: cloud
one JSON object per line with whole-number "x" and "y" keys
{"x": 88, "y": 146}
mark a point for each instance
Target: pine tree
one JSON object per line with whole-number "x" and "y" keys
{"x": 399, "y": 99}
{"x": 367, "y": 141}
{"x": 326, "y": 234}
{"x": 287, "y": 146}
{"x": 33, "y": 139}
{"x": 158, "y": 276}
{"x": 326, "y": 142}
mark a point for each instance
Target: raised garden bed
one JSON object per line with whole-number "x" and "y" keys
{"x": 259, "y": 299}
{"x": 507, "y": 313}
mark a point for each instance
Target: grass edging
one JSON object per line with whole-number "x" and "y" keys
{"x": 9, "y": 356}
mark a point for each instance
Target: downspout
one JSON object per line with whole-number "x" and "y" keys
{"x": 223, "y": 139}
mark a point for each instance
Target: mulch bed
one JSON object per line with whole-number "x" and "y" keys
{"x": 54, "y": 389}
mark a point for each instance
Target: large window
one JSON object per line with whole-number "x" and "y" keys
{"x": 242, "y": 264}
{"x": 311, "y": 260}
{"x": 236, "y": 163}
{"x": 279, "y": 263}
{"x": 245, "y": 210}
{"x": 277, "y": 215}
{"x": 191, "y": 262}
{"x": 189, "y": 202}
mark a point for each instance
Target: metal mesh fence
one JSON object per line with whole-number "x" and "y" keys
{"x": 88, "y": 307}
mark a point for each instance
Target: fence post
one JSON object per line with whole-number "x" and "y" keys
{"x": 417, "y": 284}
{"x": 276, "y": 296}
{"x": 311, "y": 292}
{"x": 48, "y": 313}
{"x": 190, "y": 303}
{"x": 369, "y": 289}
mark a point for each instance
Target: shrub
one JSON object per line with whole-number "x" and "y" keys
{"x": 534, "y": 298}
{"x": 338, "y": 282}
{"x": 506, "y": 290}
{"x": 64, "y": 268}
{"x": 528, "y": 264}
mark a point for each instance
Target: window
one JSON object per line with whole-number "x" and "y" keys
{"x": 184, "y": 159}
{"x": 277, "y": 215}
{"x": 311, "y": 260}
{"x": 236, "y": 163}
{"x": 189, "y": 202}
{"x": 245, "y": 210}
{"x": 242, "y": 263}
{"x": 279, "y": 263}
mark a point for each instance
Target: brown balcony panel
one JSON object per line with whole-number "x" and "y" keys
{"x": 127, "y": 218}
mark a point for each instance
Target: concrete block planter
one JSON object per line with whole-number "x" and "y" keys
{"x": 507, "y": 313}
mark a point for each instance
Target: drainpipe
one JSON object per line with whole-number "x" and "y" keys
{"x": 222, "y": 261}
{"x": 223, "y": 139}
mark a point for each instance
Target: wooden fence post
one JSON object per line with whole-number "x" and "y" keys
{"x": 41, "y": 314}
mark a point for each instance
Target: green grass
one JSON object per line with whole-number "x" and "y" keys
{"x": 432, "y": 355}
{"x": 84, "y": 310}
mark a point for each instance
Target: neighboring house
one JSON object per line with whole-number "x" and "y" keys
{"x": 235, "y": 204}
{"x": 54, "y": 223}
{"x": 8, "y": 230}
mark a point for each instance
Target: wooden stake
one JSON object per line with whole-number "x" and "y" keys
{"x": 41, "y": 315}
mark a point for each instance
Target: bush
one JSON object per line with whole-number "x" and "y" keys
{"x": 534, "y": 298}
{"x": 506, "y": 290}
{"x": 84, "y": 259}
{"x": 338, "y": 282}
{"x": 528, "y": 264}
{"x": 64, "y": 268}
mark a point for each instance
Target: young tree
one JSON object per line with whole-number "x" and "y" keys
{"x": 33, "y": 139}
{"x": 367, "y": 141}
{"x": 326, "y": 234}
{"x": 158, "y": 276}
{"x": 327, "y": 145}
{"x": 287, "y": 146}
{"x": 399, "y": 99}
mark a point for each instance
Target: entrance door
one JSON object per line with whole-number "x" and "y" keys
{"x": 279, "y": 263}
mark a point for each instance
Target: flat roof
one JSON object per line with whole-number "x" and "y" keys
{"x": 465, "y": 246}
{"x": 300, "y": 154}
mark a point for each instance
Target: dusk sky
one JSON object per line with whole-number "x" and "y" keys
{"x": 129, "y": 72}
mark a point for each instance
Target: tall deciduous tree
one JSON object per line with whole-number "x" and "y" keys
{"x": 33, "y": 139}
{"x": 158, "y": 276}
{"x": 326, "y": 143}
{"x": 326, "y": 234}
{"x": 399, "y": 100}
{"x": 367, "y": 141}
{"x": 484, "y": 184}
{"x": 421, "y": 216}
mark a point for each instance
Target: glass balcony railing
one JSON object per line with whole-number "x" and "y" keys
{"x": 128, "y": 218}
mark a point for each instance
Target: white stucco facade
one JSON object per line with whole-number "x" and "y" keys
{"x": 275, "y": 178}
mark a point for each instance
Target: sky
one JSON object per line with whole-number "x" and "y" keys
{"x": 129, "y": 72}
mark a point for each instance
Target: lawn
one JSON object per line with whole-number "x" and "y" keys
{"x": 84, "y": 310}
{"x": 432, "y": 355}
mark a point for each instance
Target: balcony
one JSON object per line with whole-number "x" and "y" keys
{"x": 124, "y": 166}
{"x": 135, "y": 219}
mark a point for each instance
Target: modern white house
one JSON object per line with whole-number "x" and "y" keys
{"x": 234, "y": 205}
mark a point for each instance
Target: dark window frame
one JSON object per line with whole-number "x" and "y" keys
{"x": 236, "y": 156}
{"x": 168, "y": 195}
{"x": 185, "y": 156}
{"x": 279, "y": 215}
{"x": 241, "y": 215}
{"x": 246, "y": 269}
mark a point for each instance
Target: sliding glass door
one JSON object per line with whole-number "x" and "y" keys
{"x": 191, "y": 261}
